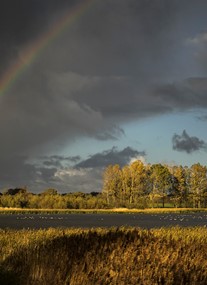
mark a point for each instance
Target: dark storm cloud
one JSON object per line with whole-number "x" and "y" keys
{"x": 188, "y": 144}
{"x": 110, "y": 66}
{"x": 47, "y": 174}
{"x": 183, "y": 95}
{"x": 94, "y": 76}
{"x": 22, "y": 21}
{"x": 112, "y": 156}
{"x": 83, "y": 84}
{"x": 16, "y": 171}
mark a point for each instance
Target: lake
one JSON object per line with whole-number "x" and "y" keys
{"x": 147, "y": 221}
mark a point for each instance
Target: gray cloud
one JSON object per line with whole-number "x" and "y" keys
{"x": 47, "y": 174}
{"x": 59, "y": 160}
{"x": 183, "y": 95}
{"x": 83, "y": 180}
{"x": 16, "y": 170}
{"x": 199, "y": 44}
{"x": 188, "y": 144}
{"x": 112, "y": 156}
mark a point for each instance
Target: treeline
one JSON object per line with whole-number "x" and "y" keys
{"x": 142, "y": 186}
{"x": 137, "y": 185}
{"x": 51, "y": 199}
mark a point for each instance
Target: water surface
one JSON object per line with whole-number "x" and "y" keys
{"x": 148, "y": 221}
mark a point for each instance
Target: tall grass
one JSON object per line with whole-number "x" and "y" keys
{"x": 125, "y": 256}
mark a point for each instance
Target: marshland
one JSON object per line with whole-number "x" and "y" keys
{"x": 104, "y": 256}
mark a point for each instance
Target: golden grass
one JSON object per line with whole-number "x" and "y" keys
{"x": 124, "y": 256}
{"x": 102, "y": 211}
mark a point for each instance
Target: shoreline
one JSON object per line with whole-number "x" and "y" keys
{"x": 101, "y": 211}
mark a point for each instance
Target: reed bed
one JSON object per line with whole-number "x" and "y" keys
{"x": 125, "y": 256}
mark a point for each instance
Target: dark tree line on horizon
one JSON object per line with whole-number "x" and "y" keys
{"x": 137, "y": 185}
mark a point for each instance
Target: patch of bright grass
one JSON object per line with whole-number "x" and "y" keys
{"x": 101, "y": 211}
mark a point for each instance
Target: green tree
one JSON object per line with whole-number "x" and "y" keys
{"x": 161, "y": 180}
{"x": 179, "y": 191}
{"x": 15, "y": 197}
{"x": 21, "y": 200}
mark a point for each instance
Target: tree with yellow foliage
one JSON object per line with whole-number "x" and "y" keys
{"x": 198, "y": 184}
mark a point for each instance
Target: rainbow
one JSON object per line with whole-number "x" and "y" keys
{"x": 36, "y": 47}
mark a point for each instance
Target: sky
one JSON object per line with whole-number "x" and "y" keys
{"x": 118, "y": 80}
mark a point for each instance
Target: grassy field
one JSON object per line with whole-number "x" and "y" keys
{"x": 101, "y": 211}
{"x": 125, "y": 256}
